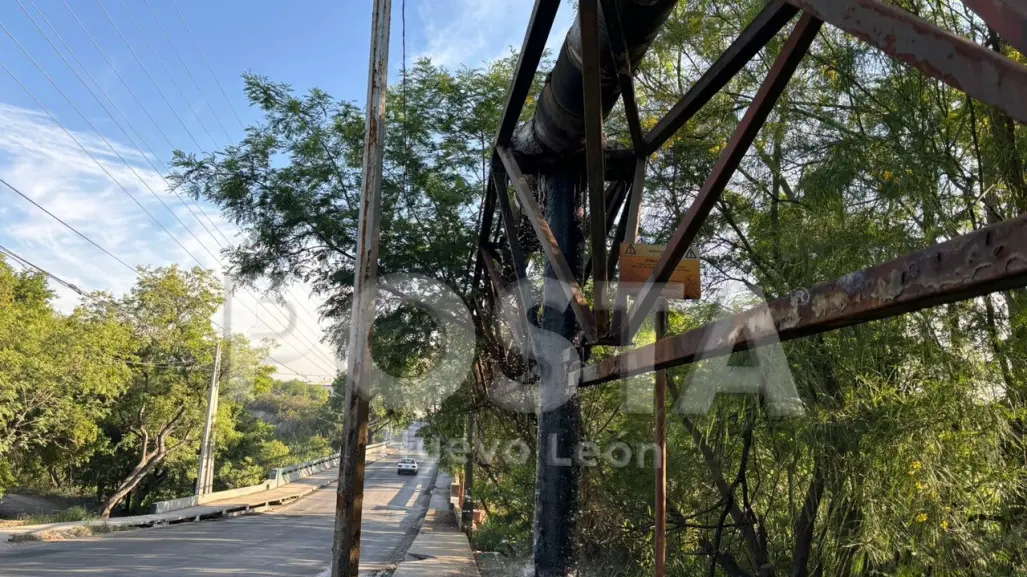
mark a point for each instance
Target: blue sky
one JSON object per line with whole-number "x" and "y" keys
{"x": 150, "y": 71}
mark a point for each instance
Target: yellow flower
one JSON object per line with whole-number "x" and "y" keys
{"x": 718, "y": 148}
{"x": 921, "y": 485}
{"x": 914, "y": 467}
{"x": 921, "y": 518}
{"x": 944, "y": 525}
{"x": 887, "y": 178}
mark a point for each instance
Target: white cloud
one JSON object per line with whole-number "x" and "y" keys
{"x": 471, "y": 32}
{"x": 38, "y": 158}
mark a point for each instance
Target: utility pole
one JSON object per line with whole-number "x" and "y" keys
{"x": 205, "y": 476}
{"x": 350, "y": 495}
{"x": 660, "y": 400}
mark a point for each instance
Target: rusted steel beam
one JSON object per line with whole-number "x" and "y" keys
{"x": 981, "y": 73}
{"x": 620, "y": 162}
{"x": 628, "y": 231}
{"x": 616, "y": 192}
{"x": 558, "y": 124}
{"x": 554, "y": 253}
{"x": 1007, "y": 18}
{"x": 510, "y": 224}
{"x": 622, "y": 62}
{"x": 496, "y": 278}
{"x": 986, "y": 260}
{"x": 498, "y": 285}
{"x": 588, "y": 23}
{"x": 755, "y": 36}
{"x": 542, "y": 17}
{"x": 784, "y": 66}
{"x": 484, "y": 227}
{"x": 660, "y": 434}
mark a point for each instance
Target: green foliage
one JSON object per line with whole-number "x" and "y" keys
{"x": 908, "y": 459}
{"x": 59, "y": 376}
{"x": 66, "y": 516}
{"x": 109, "y": 401}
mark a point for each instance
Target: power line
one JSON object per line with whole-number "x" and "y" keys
{"x": 302, "y": 321}
{"x": 114, "y": 105}
{"x": 160, "y": 61}
{"x": 127, "y": 164}
{"x": 80, "y": 145}
{"x": 25, "y": 262}
{"x": 132, "y": 169}
{"x": 181, "y": 60}
{"x": 118, "y": 124}
{"x": 207, "y": 63}
{"x": 148, "y": 75}
{"x": 73, "y": 229}
{"x": 29, "y": 265}
{"x": 195, "y": 83}
{"x": 174, "y": 189}
{"x": 138, "y": 102}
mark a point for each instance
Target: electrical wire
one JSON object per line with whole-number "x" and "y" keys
{"x": 107, "y": 252}
{"x": 181, "y": 60}
{"x": 148, "y": 75}
{"x": 174, "y": 189}
{"x": 73, "y": 229}
{"x": 123, "y": 160}
{"x": 113, "y": 149}
{"x": 207, "y": 63}
{"x": 160, "y": 61}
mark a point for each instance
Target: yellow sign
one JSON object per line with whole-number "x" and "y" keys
{"x": 637, "y": 262}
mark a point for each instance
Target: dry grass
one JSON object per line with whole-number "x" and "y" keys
{"x": 65, "y": 533}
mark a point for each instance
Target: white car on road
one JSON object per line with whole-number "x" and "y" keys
{"x": 407, "y": 466}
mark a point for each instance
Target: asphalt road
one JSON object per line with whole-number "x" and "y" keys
{"x": 294, "y": 540}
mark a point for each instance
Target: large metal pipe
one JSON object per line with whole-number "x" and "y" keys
{"x": 558, "y": 125}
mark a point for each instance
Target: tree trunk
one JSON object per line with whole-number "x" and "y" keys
{"x": 805, "y": 523}
{"x": 146, "y": 464}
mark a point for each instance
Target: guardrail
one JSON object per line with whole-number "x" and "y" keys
{"x": 276, "y": 478}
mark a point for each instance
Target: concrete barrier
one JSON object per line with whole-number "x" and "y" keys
{"x": 277, "y": 478}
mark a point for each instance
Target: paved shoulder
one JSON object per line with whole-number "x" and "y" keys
{"x": 440, "y": 549}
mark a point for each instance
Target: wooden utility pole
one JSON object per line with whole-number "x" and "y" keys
{"x": 350, "y": 495}
{"x": 660, "y": 394}
{"x": 205, "y": 476}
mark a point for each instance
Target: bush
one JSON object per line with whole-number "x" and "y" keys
{"x": 66, "y": 516}
{"x": 498, "y": 536}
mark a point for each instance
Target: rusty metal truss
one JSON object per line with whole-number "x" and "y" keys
{"x": 983, "y": 261}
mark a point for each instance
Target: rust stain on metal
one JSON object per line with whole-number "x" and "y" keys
{"x": 971, "y": 68}
{"x": 761, "y": 323}
{"x": 889, "y": 287}
{"x": 832, "y": 302}
{"x": 983, "y": 261}
{"x": 790, "y": 317}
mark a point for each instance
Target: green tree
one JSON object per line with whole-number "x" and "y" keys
{"x": 162, "y": 410}
{"x": 59, "y": 376}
